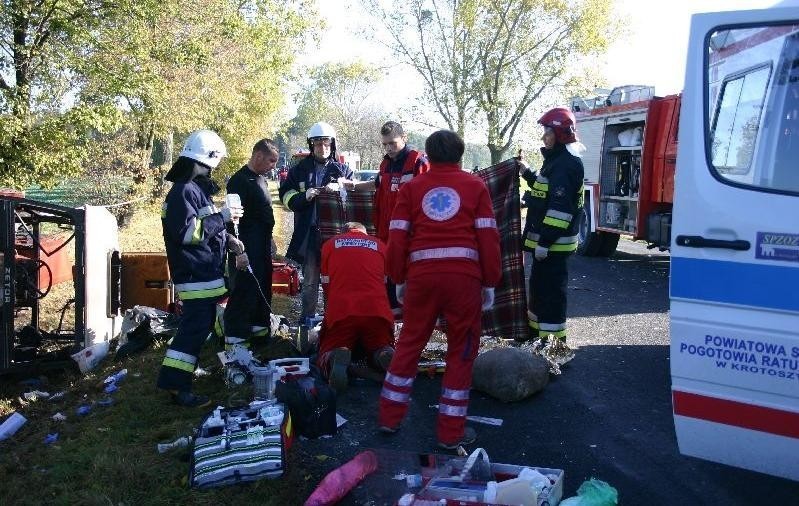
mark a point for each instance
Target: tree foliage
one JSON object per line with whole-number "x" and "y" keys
{"x": 489, "y": 62}
{"x": 76, "y": 72}
{"x": 341, "y": 94}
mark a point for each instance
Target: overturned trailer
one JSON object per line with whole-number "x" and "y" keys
{"x": 31, "y": 264}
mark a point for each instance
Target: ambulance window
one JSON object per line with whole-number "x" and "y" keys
{"x": 737, "y": 121}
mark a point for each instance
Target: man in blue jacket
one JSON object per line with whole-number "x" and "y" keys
{"x": 195, "y": 239}
{"x": 303, "y": 183}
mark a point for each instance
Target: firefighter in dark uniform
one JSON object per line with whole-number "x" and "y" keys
{"x": 553, "y": 211}
{"x": 248, "y": 309}
{"x": 303, "y": 183}
{"x": 195, "y": 240}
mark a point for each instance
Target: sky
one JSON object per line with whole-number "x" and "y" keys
{"x": 653, "y": 52}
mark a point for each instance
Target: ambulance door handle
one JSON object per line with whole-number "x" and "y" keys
{"x": 697, "y": 241}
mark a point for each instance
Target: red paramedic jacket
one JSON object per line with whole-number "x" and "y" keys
{"x": 353, "y": 275}
{"x": 389, "y": 183}
{"x": 444, "y": 222}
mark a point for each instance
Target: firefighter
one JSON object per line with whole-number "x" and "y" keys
{"x": 303, "y": 183}
{"x": 247, "y": 312}
{"x": 357, "y": 313}
{"x": 400, "y": 164}
{"x": 195, "y": 240}
{"x": 550, "y": 232}
{"x": 444, "y": 246}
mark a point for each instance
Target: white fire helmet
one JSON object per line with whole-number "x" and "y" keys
{"x": 321, "y": 129}
{"x": 205, "y": 147}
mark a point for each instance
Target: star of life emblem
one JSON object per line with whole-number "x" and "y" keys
{"x": 441, "y": 203}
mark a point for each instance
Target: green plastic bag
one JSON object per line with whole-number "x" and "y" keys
{"x": 593, "y": 493}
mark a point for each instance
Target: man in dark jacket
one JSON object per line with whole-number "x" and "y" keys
{"x": 553, "y": 211}
{"x": 304, "y": 182}
{"x": 249, "y": 306}
{"x": 195, "y": 240}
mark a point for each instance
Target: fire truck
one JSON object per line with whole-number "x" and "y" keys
{"x": 631, "y": 149}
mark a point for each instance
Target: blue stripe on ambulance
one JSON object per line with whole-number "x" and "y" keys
{"x": 746, "y": 284}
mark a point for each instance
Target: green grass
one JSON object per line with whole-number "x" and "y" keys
{"x": 109, "y": 457}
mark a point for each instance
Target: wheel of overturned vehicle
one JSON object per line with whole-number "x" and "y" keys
{"x": 31, "y": 279}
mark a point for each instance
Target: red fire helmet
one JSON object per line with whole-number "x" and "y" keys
{"x": 562, "y": 121}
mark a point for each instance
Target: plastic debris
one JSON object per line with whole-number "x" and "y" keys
{"x": 51, "y": 438}
{"x": 111, "y": 388}
{"x": 58, "y": 417}
{"x": 35, "y": 395}
{"x": 58, "y": 396}
{"x": 83, "y": 409}
{"x": 180, "y": 442}
{"x": 487, "y": 420}
{"x": 116, "y": 377}
{"x": 340, "y": 481}
{"x": 105, "y": 402}
{"x": 11, "y": 425}
{"x": 200, "y": 372}
{"x": 593, "y": 493}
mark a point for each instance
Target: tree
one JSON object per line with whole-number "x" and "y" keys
{"x": 341, "y": 94}
{"x": 498, "y": 57}
{"x": 75, "y": 72}
{"x": 42, "y": 137}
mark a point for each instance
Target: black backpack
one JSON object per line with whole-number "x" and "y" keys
{"x": 312, "y": 404}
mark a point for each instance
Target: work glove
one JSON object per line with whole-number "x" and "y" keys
{"x": 541, "y": 253}
{"x": 310, "y": 193}
{"x": 242, "y": 262}
{"x": 523, "y": 167}
{"x": 400, "y": 291}
{"x": 235, "y": 245}
{"x": 232, "y": 214}
{"x": 488, "y": 298}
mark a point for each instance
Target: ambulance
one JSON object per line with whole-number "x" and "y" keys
{"x": 735, "y": 243}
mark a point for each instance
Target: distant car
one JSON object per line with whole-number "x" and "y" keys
{"x": 365, "y": 175}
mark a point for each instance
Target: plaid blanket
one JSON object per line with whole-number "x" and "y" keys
{"x": 508, "y": 318}
{"x": 333, "y": 211}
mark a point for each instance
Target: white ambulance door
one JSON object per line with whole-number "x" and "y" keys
{"x": 735, "y": 248}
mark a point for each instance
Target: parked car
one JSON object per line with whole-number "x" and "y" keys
{"x": 364, "y": 175}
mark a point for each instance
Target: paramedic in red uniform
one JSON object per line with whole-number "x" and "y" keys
{"x": 400, "y": 164}
{"x": 444, "y": 247}
{"x": 357, "y": 312}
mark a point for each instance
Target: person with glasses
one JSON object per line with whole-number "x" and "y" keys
{"x": 303, "y": 183}
{"x": 400, "y": 164}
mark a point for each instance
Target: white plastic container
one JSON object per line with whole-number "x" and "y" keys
{"x": 88, "y": 358}
{"x": 11, "y": 425}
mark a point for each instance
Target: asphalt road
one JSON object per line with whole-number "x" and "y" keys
{"x": 607, "y": 416}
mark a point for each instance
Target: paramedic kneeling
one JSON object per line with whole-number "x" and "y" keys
{"x": 444, "y": 245}
{"x": 357, "y": 311}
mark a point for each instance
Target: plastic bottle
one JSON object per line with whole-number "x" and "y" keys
{"x": 180, "y": 442}
{"x": 11, "y": 425}
{"x": 340, "y": 481}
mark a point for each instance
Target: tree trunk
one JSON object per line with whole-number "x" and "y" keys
{"x": 497, "y": 153}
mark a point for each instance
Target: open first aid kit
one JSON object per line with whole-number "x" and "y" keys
{"x": 477, "y": 481}
{"x": 241, "y": 444}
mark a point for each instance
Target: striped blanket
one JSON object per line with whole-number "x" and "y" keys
{"x": 508, "y": 318}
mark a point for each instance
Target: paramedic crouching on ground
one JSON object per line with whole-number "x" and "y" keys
{"x": 444, "y": 246}
{"x": 195, "y": 240}
{"x": 552, "y": 221}
{"x": 357, "y": 313}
